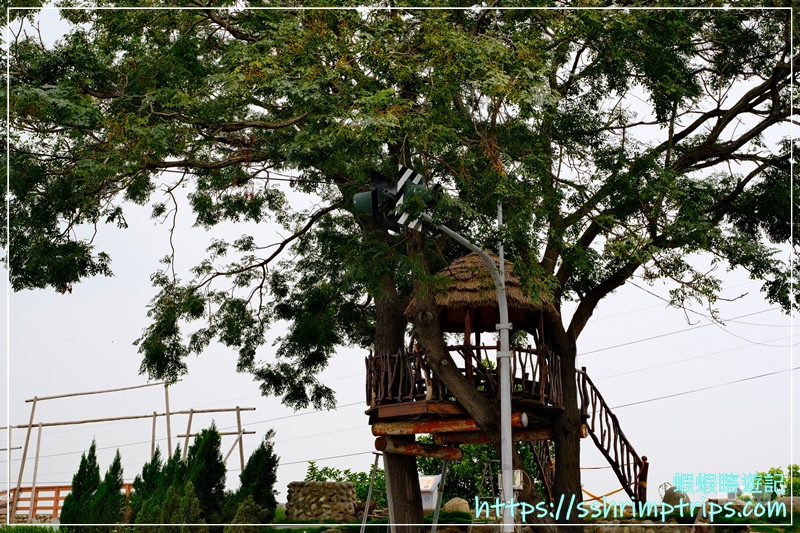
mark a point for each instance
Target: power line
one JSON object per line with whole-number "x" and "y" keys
{"x": 690, "y": 359}
{"x": 706, "y": 388}
{"x": 324, "y": 458}
{"x": 693, "y": 328}
{"x": 320, "y": 434}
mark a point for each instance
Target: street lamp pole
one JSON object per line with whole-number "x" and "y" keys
{"x": 503, "y": 359}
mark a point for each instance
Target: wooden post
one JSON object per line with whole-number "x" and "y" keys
{"x": 153, "y": 442}
{"x": 232, "y": 448}
{"x": 241, "y": 440}
{"x": 641, "y": 485}
{"x": 13, "y": 510}
{"x": 56, "y": 501}
{"x": 188, "y": 432}
{"x": 32, "y": 513}
{"x": 169, "y": 430}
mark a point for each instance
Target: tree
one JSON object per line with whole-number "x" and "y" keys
{"x": 146, "y": 484}
{"x": 258, "y": 481}
{"x": 534, "y": 108}
{"x": 206, "y": 470}
{"x": 92, "y": 501}
{"x": 108, "y": 502}
{"x": 77, "y": 504}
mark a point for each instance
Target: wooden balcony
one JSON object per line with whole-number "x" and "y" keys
{"x": 403, "y": 384}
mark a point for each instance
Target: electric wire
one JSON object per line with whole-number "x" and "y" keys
{"x": 706, "y": 388}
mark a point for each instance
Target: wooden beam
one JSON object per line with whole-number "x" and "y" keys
{"x": 389, "y": 445}
{"x": 477, "y": 437}
{"x": 448, "y": 425}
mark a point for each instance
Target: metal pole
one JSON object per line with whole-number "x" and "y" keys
{"x": 369, "y": 492}
{"x": 504, "y": 355}
{"x": 503, "y": 359}
{"x": 439, "y": 495}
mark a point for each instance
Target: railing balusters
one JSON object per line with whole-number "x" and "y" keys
{"x": 613, "y": 444}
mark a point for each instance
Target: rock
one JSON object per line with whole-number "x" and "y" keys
{"x": 674, "y": 497}
{"x": 456, "y": 504}
{"x": 788, "y": 502}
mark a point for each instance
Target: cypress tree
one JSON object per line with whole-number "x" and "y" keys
{"x": 259, "y": 477}
{"x": 76, "y": 508}
{"x": 206, "y": 470}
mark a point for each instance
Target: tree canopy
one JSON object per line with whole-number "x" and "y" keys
{"x": 622, "y": 143}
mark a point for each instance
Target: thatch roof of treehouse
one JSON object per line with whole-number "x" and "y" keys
{"x": 471, "y": 292}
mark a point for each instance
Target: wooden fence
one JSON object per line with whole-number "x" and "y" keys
{"x": 44, "y": 500}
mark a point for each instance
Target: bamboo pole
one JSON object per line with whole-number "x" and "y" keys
{"x": 153, "y": 442}
{"x": 71, "y": 395}
{"x": 222, "y": 434}
{"x": 32, "y": 513}
{"x": 188, "y": 431}
{"x": 129, "y": 417}
{"x": 238, "y": 438}
{"x": 12, "y": 511}
{"x": 169, "y": 429}
{"x": 241, "y": 440}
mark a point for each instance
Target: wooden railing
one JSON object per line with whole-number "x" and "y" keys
{"x": 604, "y": 429}
{"x": 405, "y": 376}
{"x": 45, "y": 500}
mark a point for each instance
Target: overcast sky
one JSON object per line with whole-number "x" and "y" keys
{"x": 645, "y": 358}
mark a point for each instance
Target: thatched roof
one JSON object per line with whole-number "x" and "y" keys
{"x": 472, "y": 290}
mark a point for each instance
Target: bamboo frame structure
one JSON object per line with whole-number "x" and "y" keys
{"x": 12, "y": 510}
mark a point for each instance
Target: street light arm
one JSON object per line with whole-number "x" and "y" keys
{"x": 499, "y": 282}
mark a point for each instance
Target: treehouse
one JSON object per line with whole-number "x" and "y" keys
{"x": 406, "y": 398}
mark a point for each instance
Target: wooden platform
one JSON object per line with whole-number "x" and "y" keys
{"x": 421, "y": 407}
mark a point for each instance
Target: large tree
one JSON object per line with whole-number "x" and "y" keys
{"x": 621, "y": 143}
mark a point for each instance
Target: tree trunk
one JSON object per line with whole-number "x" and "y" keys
{"x": 567, "y": 426}
{"x": 402, "y": 481}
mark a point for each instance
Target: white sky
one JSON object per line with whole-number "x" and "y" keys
{"x": 61, "y": 344}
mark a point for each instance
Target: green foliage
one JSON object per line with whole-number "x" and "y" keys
{"x": 360, "y": 479}
{"x": 206, "y": 471}
{"x": 470, "y": 477}
{"x": 492, "y": 105}
{"x": 249, "y": 512}
{"x": 76, "y": 506}
{"x": 793, "y": 478}
{"x": 258, "y": 480}
{"x": 91, "y": 500}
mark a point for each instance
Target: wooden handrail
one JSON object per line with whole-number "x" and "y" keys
{"x": 405, "y": 376}
{"x": 605, "y": 431}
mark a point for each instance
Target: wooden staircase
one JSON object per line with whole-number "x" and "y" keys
{"x": 605, "y": 431}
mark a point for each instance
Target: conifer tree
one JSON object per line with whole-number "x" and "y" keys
{"x": 146, "y": 484}
{"x": 76, "y": 506}
{"x": 259, "y": 477}
{"x": 206, "y": 470}
{"x": 107, "y": 503}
